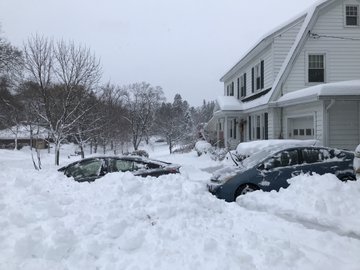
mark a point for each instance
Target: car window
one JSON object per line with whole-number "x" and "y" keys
{"x": 313, "y": 155}
{"x": 120, "y": 165}
{"x": 140, "y": 165}
{"x": 84, "y": 169}
{"x": 282, "y": 159}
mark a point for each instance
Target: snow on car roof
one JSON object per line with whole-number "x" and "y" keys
{"x": 248, "y": 148}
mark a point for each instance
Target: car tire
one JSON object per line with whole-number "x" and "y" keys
{"x": 246, "y": 188}
{"x": 346, "y": 178}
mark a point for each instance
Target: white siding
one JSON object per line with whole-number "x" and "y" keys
{"x": 274, "y": 123}
{"x": 344, "y": 127}
{"x": 266, "y": 55}
{"x": 342, "y": 55}
{"x": 314, "y": 109}
{"x": 282, "y": 45}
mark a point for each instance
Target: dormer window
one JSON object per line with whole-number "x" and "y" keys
{"x": 230, "y": 89}
{"x": 352, "y": 15}
{"x": 257, "y": 77}
{"x": 243, "y": 85}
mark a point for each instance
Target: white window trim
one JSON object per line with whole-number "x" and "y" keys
{"x": 325, "y": 54}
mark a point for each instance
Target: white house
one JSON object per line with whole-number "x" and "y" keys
{"x": 301, "y": 81}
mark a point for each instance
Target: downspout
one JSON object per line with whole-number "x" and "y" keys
{"x": 332, "y": 102}
{"x": 281, "y": 136}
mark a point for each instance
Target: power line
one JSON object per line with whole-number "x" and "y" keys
{"x": 317, "y": 36}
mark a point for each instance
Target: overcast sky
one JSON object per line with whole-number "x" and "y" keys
{"x": 184, "y": 46}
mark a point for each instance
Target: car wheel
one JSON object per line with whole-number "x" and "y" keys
{"x": 346, "y": 178}
{"x": 243, "y": 189}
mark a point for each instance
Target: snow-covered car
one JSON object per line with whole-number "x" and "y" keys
{"x": 246, "y": 149}
{"x": 90, "y": 169}
{"x": 270, "y": 168}
{"x": 357, "y": 162}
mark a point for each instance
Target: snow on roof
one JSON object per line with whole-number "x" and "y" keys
{"x": 228, "y": 103}
{"x": 306, "y": 13}
{"x": 23, "y": 132}
{"x": 309, "y": 15}
{"x": 345, "y": 88}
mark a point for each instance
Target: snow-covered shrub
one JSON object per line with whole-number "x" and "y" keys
{"x": 203, "y": 147}
{"x": 184, "y": 148}
{"x": 218, "y": 153}
{"x": 141, "y": 153}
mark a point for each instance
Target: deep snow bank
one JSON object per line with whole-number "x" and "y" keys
{"x": 48, "y": 221}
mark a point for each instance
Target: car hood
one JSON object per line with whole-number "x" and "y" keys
{"x": 223, "y": 174}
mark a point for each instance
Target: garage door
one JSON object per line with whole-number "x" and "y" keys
{"x": 301, "y": 128}
{"x": 344, "y": 125}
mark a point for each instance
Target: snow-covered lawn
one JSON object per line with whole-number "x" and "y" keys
{"x": 48, "y": 221}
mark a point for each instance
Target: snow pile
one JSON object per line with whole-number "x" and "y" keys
{"x": 318, "y": 202}
{"x": 48, "y": 221}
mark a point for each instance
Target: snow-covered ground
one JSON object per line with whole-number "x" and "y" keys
{"x": 48, "y": 221}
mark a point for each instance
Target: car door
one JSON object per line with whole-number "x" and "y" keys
{"x": 277, "y": 169}
{"x": 322, "y": 161}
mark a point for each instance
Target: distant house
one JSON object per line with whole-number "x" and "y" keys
{"x": 20, "y": 135}
{"x": 301, "y": 81}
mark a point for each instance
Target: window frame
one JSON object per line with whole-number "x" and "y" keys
{"x": 308, "y": 55}
{"x": 346, "y": 6}
{"x": 243, "y": 85}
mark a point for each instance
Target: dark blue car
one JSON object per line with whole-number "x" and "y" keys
{"x": 270, "y": 169}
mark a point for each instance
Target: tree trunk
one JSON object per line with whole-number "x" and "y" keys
{"x": 82, "y": 150}
{"x": 57, "y": 154}
{"x": 91, "y": 147}
{"x": 170, "y": 146}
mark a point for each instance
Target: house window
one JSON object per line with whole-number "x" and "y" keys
{"x": 243, "y": 85}
{"x": 232, "y": 89}
{"x": 257, "y": 77}
{"x": 316, "y": 65}
{"x": 352, "y": 15}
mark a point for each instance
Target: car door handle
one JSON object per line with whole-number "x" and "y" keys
{"x": 296, "y": 173}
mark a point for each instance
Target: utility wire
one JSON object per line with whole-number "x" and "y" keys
{"x": 317, "y": 36}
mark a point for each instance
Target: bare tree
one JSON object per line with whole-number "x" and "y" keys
{"x": 174, "y": 122}
{"x": 65, "y": 74}
{"x": 141, "y": 101}
{"x": 11, "y": 61}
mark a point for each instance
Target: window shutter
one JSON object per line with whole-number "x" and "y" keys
{"x": 266, "y": 122}
{"x": 252, "y": 80}
{"x": 249, "y": 128}
{"x": 262, "y": 74}
{"x": 244, "y": 84}
{"x": 238, "y": 88}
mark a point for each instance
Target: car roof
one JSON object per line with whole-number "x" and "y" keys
{"x": 123, "y": 157}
